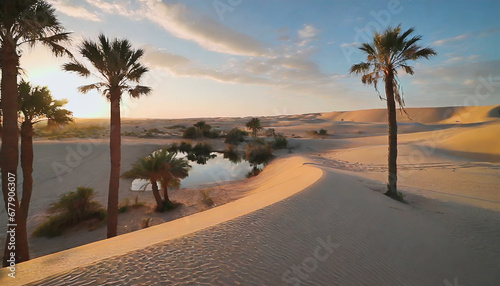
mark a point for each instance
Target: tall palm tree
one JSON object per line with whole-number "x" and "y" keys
{"x": 389, "y": 52}
{"x": 254, "y": 125}
{"x": 36, "y": 104}
{"x": 116, "y": 65}
{"x": 160, "y": 167}
{"x": 22, "y": 23}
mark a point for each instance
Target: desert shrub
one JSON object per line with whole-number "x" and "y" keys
{"x": 257, "y": 154}
{"x": 235, "y": 136}
{"x": 72, "y": 131}
{"x": 232, "y": 154}
{"x": 321, "y": 132}
{"x": 71, "y": 209}
{"x": 280, "y": 142}
{"x": 176, "y": 127}
{"x": 145, "y": 222}
{"x": 124, "y": 206}
{"x": 206, "y": 199}
{"x": 271, "y": 132}
{"x": 191, "y": 133}
{"x": 212, "y": 134}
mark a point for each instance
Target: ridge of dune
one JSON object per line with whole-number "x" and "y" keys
{"x": 281, "y": 179}
{"x": 427, "y": 115}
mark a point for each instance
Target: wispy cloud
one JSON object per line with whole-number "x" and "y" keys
{"x": 452, "y": 40}
{"x": 307, "y": 34}
{"x": 186, "y": 24}
{"x": 75, "y": 11}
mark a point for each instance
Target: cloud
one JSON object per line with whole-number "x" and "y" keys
{"x": 458, "y": 83}
{"x": 184, "y": 23}
{"x": 74, "y": 11}
{"x": 306, "y": 34}
{"x": 452, "y": 40}
{"x": 455, "y": 59}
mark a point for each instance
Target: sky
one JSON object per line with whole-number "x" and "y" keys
{"x": 211, "y": 58}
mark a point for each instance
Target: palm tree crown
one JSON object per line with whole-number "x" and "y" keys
{"x": 388, "y": 53}
{"x": 254, "y": 125}
{"x": 31, "y": 22}
{"x": 115, "y": 63}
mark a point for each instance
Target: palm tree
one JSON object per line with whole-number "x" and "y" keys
{"x": 148, "y": 168}
{"x": 116, "y": 65}
{"x": 36, "y": 104}
{"x": 160, "y": 167}
{"x": 255, "y": 126}
{"x": 22, "y": 23}
{"x": 173, "y": 170}
{"x": 388, "y": 53}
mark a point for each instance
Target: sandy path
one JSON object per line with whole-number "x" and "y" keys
{"x": 337, "y": 232}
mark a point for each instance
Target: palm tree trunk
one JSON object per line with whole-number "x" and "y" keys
{"x": 165, "y": 192}
{"x": 115, "y": 154}
{"x": 156, "y": 194}
{"x": 27, "y": 168}
{"x": 10, "y": 149}
{"x": 393, "y": 136}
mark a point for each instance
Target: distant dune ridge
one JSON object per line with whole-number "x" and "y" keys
{"x": 426, "y": 115}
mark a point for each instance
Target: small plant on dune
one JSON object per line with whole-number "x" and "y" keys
{"x": 322, "y": 131}
{"x": 124, "y": 206}
{"x": 205, "y": 198}
{"x": 145, "y": 222}
{"x": 71, "y": 209}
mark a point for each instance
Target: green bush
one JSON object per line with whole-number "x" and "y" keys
{"x": 191, "y": 133}
{"x": 235, "y": 136}
{"x": 72, "y": 208}
{"x": 257, "y": 154}
{"x": 322, "y": 132}
{"x": 280, "y": 142}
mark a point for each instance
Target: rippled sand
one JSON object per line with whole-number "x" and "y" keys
{"x": 370, "y": 240}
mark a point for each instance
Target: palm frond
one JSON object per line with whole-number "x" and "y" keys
{"x": 76, "y": 67}
{"x": 139, "y": 90}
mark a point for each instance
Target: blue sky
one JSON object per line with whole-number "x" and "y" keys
{"x": 270, "y": 57}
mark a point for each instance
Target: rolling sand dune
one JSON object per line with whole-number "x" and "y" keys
{"x": 435, "y": 115}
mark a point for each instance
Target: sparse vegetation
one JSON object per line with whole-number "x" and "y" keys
{"x": 71, "y": 209}
{"x": 145, "y": 222}
{"x": 235, "y": 136}
{"x": 321, "y": 132}
{"x": 280, "y": 142}
{"x": 205, "y": 198}
{"x": 72, "y": 131}
{"x": 257, "y": 154}
{"x": 254, "y": 172}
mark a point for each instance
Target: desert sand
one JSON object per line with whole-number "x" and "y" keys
{"x": 447, "y": 157}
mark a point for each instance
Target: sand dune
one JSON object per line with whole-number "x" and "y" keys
{"x": 435, "y": 115}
